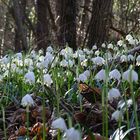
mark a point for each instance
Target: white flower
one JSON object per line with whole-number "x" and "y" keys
{"x": 49, "y": 57}
{"x": 97, "y": 53}
{"x": 123, "y": 58}
{"x": 101, "y": 75}
{"x": 5, "y": 59}
{"x": 18, "y": 55}
{"x": 50, "y": 49}
{"x": 84, "y": 63}
{"x": 87, "y": 51}
{"x": 40, "y": 52}
{"x": 82, "y": 57}
{"x": 87, "y": 73}
{"x": 64, "y": 63}
{"x": 103, "y": 45}
{"x": 108, "y": 55}
{"x": 59, "y": 124}
{"x": 117, "y": 115}
{"x": 28, "y": 62}
{"x": 120, "y": 43}
{"x": 124, "y": 105}
{"x": 72, "y": 134}
{"x": 94, "y": 47}
{"x": 70, "y": 63}
{"x": 47, "y": 79}
{"x": 98, "y": 60}
{"x": 110, "y": 46}
{"x": 29, "y": 77}
{"x": 130, "y": 57}
{"x": 132, "y": 41}
{"x": 138, "y": 60}
{"x": 82, "y": 77}
{"x": 27, "y": 100}
{"x": 45, "y": 63}
{"x": 115, "y": 74}
{"x": 33, "y": 54}
{"x": 128, "y": 37}
{"x": 113, "y": 93}
{"x": 130, "y": 75}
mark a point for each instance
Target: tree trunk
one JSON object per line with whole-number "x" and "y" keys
{"x": 42, "y": 25}
{"x": 99, "y": 25}
{"x": 68, "y": 23}
{"x": 20, "y": 37}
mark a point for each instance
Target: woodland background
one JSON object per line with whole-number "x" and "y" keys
{"x": 35, "y": 24}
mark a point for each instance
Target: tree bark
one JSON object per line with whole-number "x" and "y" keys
{"x": 68, "y": 23}
{"x": 19, "y": 11}
{"x": 100, "y": 22}
{"x": 42, "y": 25}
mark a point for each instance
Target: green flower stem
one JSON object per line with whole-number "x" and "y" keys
{"x": 135, "y": 111}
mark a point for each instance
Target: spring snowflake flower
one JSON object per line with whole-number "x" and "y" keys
{"x": 45, "y": 63}
{"x": 113, "y": 93}
{"x": 124, "y": 105}
{"x": 59, "y": 124}
{"x": 27, "y": 100}
{"x": 123, "y": 58}
{"x": 130, "y": 39}
{"x": 97, "y": 53}
{"x": 94, "y": 47}
{"x": 82, "y": 77}
{"x": 120, "y": 43}
{"x": 50, "y": 49}
{"x": 47, "y": 79}
{"x": 110, "y": 46}
{"x": 49, "y": 57}
{"x": 64, "y": 63}
{"x": 73, "y": 134}
{"x": 82, "y": 57}
{"x": 41, "y": 58}
{"x": 101, "y": 75}
{"x": 108, "y": 55}
{"x": 33, "y": 54}
{"x": 87, "y": 51}
{"x": 70, "y": 63}
{"x": 5, "y": 59}
{"x": 87, "y": 73}
{"x": 130, "y": 75}
{"x": 115, "y": 74}
{"x": 103, "y": 45}
{"x": 138, "y": 60}
{"x": 18, "y": 56}
{"x": 29, "y": 77}
{"x": 130, "y": 57}
{"x": 98, "y": 60}
{"x": 84, "y": 63}
{"x": 28, "y": 62}
{"x": 117, "y": 115}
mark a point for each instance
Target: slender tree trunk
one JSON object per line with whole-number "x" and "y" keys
{"x": 42, "y": 25}
{"x": 100, "y": 22}
{"x": 19, "y": 11}
{"x": 68, "y": 23}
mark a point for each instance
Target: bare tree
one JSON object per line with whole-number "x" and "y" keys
{"x": 99, "y": 25}
{"x": 67, "y": 23}
{"x": 20, "y": 31}
{"x": 42, "y": 25}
